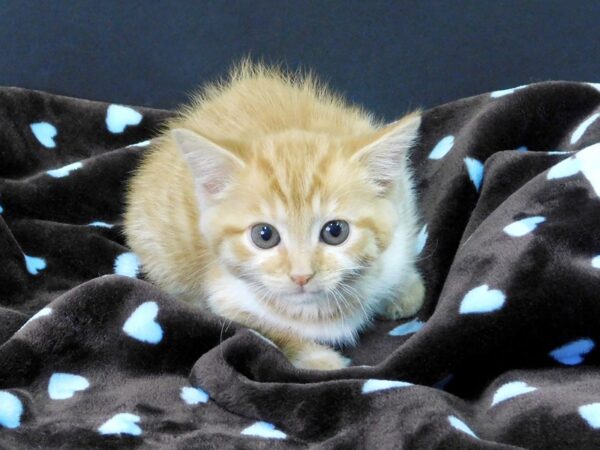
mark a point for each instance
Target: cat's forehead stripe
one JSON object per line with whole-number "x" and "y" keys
{"x": 275, "y": 187}
{"x": 291, "y": 186}
{"x": 269, "y": 170}
{"x": 316, "y": 186}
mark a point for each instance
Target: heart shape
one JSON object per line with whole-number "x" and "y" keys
{"x": 11, "y": 410}
{"x": 510, "y": 390}
{"x": 565, "y": 168}
{"x": 140, "y": 144}
{"x": 34, "y": 264}
{"x": 573, "y": 353}
{"x": 422, "y": 239}
{"x": 407, "y": 328}
{"x": 461, "y": 426}
{"x": 482, "y": 299}
{"x": 127, "y": 264}
{"x": 100, "y": 224}
{"x": 373, "y": 385}
{"x": 65, "y": 170}
{"x": 586, "y": 161}
{"x": 582, "y": 128}
{"x": 591, "y": 414}
{"x": 142, "y": 324}
{"x": 193, "y": 396}
{"x": 64, "y": 385}
{"x": 442, "y": 148}
{"x": 45, "y": 133}
{"x": 122, "y": 423}
{"x": 475, "y": 169}
{"x": 265, "y": 430}
{"x": 524, "y": 226}
{"x": 590, "y": 165}
{"x": 41, "y": 313}
{"x": 119, "y": 117}
{"x": 504, "y": 92}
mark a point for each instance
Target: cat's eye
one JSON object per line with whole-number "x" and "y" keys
{"x": 335, "y": 232}
{"x": 264, "y": 235}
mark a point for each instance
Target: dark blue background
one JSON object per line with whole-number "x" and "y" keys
{"x": 389, "y": 56}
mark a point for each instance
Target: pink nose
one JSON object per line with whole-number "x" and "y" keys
{"x": 301, "y": 280}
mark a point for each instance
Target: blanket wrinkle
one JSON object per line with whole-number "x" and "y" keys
{"x": 504, "y": 354}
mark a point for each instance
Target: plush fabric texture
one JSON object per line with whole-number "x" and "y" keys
{"x": 504, "y": 353}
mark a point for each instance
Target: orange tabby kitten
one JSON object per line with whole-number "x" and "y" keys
{"x": 277, "y": 205}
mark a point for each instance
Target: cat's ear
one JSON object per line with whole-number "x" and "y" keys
{"x": 385, "y": 157}
{"x": 212, "y": 166}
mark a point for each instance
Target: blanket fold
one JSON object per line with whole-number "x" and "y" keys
{"x": 503, "y": 355}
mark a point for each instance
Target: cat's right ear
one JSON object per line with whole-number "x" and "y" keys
{"x": 386, "y": 156}
{"x": 212, "y": 166}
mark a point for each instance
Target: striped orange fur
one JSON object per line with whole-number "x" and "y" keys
{"x": 269, "y": 146}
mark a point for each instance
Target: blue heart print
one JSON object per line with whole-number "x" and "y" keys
{"x": 265, "y": 430}
{"x": 45, "y": 133}
{"x": 442, "y": 148}
{"x": 119, "y": 117}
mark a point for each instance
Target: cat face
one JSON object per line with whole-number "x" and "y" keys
{"x": 299, "y": 241}
{"x": 302, "y": 218}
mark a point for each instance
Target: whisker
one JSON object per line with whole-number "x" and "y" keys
{"x": 356, "y": 294}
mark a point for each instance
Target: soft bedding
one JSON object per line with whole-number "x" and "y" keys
{"x": 504, "y": 354}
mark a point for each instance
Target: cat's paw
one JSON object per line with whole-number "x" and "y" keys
{"x": 408, "y": 303}
{"x": 320, "y": 358}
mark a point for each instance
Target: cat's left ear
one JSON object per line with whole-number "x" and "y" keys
{"x": 212, "y": 166}
{"x": 386, "y": 156}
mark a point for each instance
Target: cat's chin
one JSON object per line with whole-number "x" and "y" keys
{"x": 304, "y": 297}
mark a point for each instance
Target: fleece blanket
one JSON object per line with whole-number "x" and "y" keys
{"x": 504, "y": 354}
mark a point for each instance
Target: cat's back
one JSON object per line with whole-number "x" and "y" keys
{"x": 161, "y": 221}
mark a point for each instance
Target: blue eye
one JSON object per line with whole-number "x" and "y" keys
{"x": 335, "y": 232}
{"x": 265, "y": 236}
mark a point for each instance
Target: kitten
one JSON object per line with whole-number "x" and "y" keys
{"x": 276, "y": 204}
